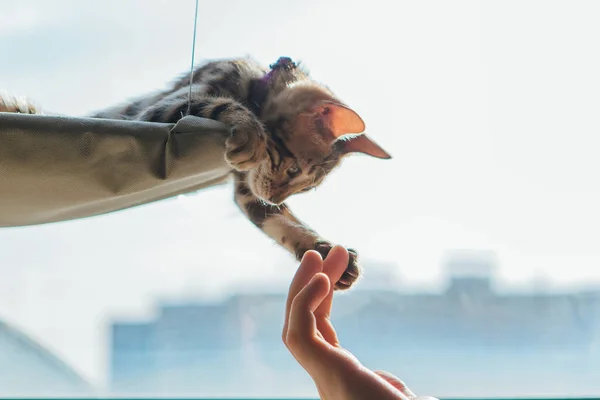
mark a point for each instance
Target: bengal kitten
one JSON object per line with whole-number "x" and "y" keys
{"x": 288, "y": 133}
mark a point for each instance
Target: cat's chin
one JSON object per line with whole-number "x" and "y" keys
{"x": 272, "y": 202}
{"x": 276, "y": 200}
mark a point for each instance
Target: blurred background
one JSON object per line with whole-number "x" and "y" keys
{"x": 481, "y": 258}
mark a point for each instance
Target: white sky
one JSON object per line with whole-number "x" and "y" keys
{"x": 489, "y": 108}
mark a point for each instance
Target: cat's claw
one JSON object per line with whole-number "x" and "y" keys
{"x": 246, "y": 147}
{"x": 352, "y": 270}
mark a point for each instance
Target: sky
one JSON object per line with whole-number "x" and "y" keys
{"x": 490, "y": 110}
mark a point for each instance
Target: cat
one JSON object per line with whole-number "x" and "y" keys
{"x": 288, "y": 133}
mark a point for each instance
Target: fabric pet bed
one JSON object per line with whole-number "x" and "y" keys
{"x": 61, "y": 168}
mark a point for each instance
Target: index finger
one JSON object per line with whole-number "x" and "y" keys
{"x": 334, "y": 266}
{"x": 311, "y": 264}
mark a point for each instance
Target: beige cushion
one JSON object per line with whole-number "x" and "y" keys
{"x": 61, "y": 168}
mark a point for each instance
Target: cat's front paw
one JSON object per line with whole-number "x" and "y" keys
{"x": 246, "y": 147}
{"x": 352, "y": 270}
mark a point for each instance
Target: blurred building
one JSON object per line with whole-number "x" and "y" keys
{"x": 437, "y": 340}
{"x": 29, "y": 370}
{"x": 470, "y": 273}
{"x": 379, "y": 276}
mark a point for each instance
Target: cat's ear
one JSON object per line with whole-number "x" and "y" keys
{"x": 338, "y": 119}
{"x": 343, "y": 127}
{"x": 347, "y": 127}
{"x": 362, "y": 144}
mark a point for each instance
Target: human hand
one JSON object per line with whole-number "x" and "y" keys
{"x": 311, "y": 338}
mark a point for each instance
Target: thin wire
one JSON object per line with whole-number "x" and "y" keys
{"x": 193, "y": 55}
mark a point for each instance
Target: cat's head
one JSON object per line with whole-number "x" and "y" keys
{"x": 310, "y": 130}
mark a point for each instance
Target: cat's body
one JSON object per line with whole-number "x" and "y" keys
{"x": 288, "y": 133}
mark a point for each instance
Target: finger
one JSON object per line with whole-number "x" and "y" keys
{"x": 397, "y": 383}
{"x": 325, "y": 327}
{"x": 334, "y": 266}
{"x": 311, "y": 264}
{"x": 302, "y": 328}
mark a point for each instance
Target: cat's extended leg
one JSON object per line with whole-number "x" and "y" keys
{"x": 285, "y": 228}
{"x": 247, "y": 145}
